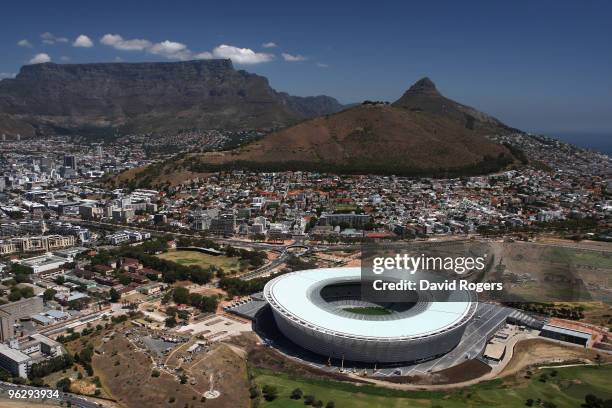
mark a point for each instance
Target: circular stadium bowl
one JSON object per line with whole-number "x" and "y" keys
{"x": 322, "y": 311}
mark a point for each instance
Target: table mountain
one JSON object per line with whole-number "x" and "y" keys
{"x": 147, "y": 97}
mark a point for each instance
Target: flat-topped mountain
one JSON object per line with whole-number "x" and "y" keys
{"x": 143, "y": 97}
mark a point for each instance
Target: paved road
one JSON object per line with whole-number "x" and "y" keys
{"x": 75, "y": 400}
{"x": 266, "y": 269}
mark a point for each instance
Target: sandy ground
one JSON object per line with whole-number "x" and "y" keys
{"x": 216, "y": 327}
{"x": 539, "y": 351}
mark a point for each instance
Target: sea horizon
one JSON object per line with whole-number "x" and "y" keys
{"x": 599, "y": 141}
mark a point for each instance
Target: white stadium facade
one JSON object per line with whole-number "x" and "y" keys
{"x": 315, "y": 309}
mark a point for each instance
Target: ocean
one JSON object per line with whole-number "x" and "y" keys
{"x": 596, "y": 141}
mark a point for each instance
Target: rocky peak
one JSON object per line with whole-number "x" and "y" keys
{"x": 424, "y": 86}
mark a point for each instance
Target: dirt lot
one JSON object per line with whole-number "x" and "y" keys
{"x": 537, "y": 351}
{"x": 126, "y": 373}
{"x": 465, "y": 371}
{"x": 260, "y": 356}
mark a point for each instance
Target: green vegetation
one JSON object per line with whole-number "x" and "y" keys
{"x": 49, "y": 294}
{"x": 17, "y": 293}
{"x": 63, "y": 384}
{"x": 563, "y": 311}
{"x": 560, "y": 387}
{"x": 371, "y": 311}
{"x": 487, "y": 165}
{"x": 207, "y": 304}
{"x": 52, "y": 365}
{"x": 171, "y": 271}
{"x": 239, "y": 287}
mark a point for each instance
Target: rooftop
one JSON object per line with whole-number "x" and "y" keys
{"x": 13, "y": 354}
{"x": 292, "y": 295}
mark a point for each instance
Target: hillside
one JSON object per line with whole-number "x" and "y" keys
{"x": 147, "y": 97}
{"x": 378, "y": 139}
{"x": 423, "y": 96}
{"x": 422, "y": 134}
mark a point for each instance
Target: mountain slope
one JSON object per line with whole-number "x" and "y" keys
{"x": 423, "y": 96}
{"x": 148, "y": 97}
{"x": 364, "y": 139}
{"x": 423, "y": 134}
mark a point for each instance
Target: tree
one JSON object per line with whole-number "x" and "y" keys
{"x": 63, "y": 384}
{"x": 195, "y": 299}
{"x": 170, "y": 322}
{"x": 330, "y": 404}
{"x": 114, "y": 295}
{"x": 15, "y": 294}
{"x": 253, "y": 392}
{"x": 60, "y": 280}
{"x": 49, "y": 294}
{"x": 309, "y": 399}
{"x": 209, "y": 304}
{"x": 124, "y": 279}
{"x": 269, "y": 392}
{"x": 318, "y": 404}
{"x": 296, "y": 394}
{"x": 180, "y": 295}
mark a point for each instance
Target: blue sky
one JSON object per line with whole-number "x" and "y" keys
{"x": 537, "y": 65}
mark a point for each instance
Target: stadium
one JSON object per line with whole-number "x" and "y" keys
{"x": 322, "y": 311}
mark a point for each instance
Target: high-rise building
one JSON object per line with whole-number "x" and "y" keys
{"x": 70, "y": 161}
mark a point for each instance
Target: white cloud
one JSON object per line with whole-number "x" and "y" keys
{"x": 322, "y": 65}
{"x": 179, "y": 51}
{"x": 171, "y": 50}
{"x": 269, "y": 45}
{"x": 40, "y": 58}
{"x": 50, "y": 39}
{"x": 117, "y": 42}
{"x": 241, "y": 55}
{"x": 4, "y": 75}
{"x": 293, "y": 58}
{"x": 83, "y": 41}
{"x": 24, "y": 43}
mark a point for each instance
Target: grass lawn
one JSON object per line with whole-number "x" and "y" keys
{"x": 565, "y": 387}
{"x": 204, "y": 260}
{"x": 371, "y": 311}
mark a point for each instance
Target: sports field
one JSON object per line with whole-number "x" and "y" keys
{"x": 373, "y": 311}
{"x": 189, "y": 258}
{"x": 564, "y": 387}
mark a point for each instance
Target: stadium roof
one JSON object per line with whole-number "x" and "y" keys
{"x": 293, "y": 295}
